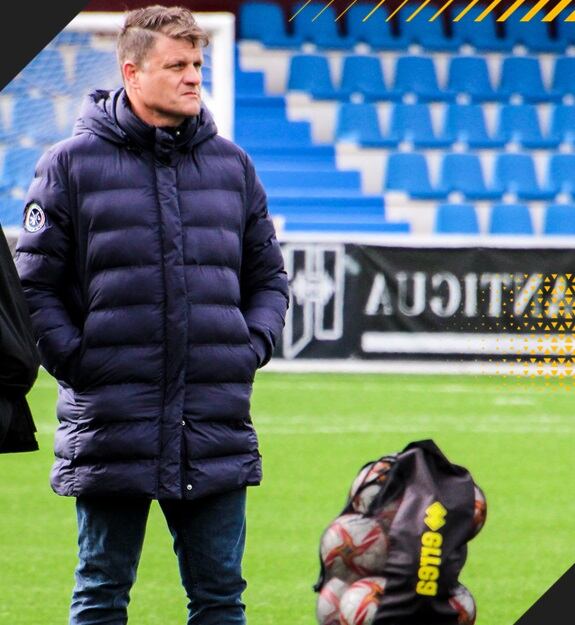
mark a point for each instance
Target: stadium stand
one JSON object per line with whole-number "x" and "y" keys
{"x": 478, "y": 112}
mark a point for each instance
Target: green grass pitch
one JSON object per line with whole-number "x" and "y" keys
{"x": 515, "y": 436}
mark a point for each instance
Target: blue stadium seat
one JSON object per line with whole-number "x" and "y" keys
{"x": 249, "y": 83}
{"x": 19, "y": 165}
{"x": 367, "y": 225}
{"x": 563, "y": 124}
{"x": 322, "y": 29}
{"x": 407, "y": 172}
{"x": 462, "y": 173}
{"x": 564, "y": 75}
{"x": 259, "y": 107}
{"x": 512, "y": 219}
{"x": 519, "y": 123}
{"x": 293, "y": 156}
{"x": 311, "y": 73}
{"x": 11, "y": 211}
{"x": 533, "y": 34}
{"x": 359, "y": 124}
{"x": 35, "y": 119}
{"x": 265, "y": 22}
{"x": 559, "y": 220}
{"x": 376, "y": 31}
{"x": 565, "y": 32}
{"x": 72, "y": 38}
{"x": 416, "y": 75}
{"x": 465, "y": 123}
{"x": 515, "y": 173}
{"x": 521, "y": 76}
{"x": 274, "y": 133}
{"x": 46, "y": 72}
{"x": 411, "y": 123}
{"x": 469, "y": 76}
{"x": 364, "y": 75}
{"x": 325, "y": 207}
{"x": 561, "y": 173}
{"x": 456, "y": 219}
{"x": 426, "y": 33}
{"x": 302, "y": 180}
{"x": 481, "y": 35}
{"x": 95, "y": 69}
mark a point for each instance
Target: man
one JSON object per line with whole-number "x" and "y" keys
{"x": 156, "y": 287}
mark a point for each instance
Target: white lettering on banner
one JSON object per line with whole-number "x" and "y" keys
{"x": 451, "y": 304}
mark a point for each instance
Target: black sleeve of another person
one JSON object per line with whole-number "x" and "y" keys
{"x": 19, "y": 360}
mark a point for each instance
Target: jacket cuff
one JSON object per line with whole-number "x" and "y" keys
{"x": 261, "y": 348}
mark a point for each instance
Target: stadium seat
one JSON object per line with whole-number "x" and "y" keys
{"x": 462, "y": 173}
{"x": 512, "y": 219}
{"x": 563, "y": 124}
{"x": 302, "y": 180}
{"x": 481, "y": 35}
{"x": 559, "y": 220}
{"x": 11, "y": 211}
{"x": 35, "y": 119}
{"x": 533, "y": 34}
{"x": 317, "y": 24}
{"x": 249, "y": 83}
{"x": 359, "y": 124}
{"x": 428, "y": 34}
{"x": 456, "y": 219}
{"x": 564, "y": 75}
{"x": 411, "y": 123}
{"x": 72, "y": 38}
{"x": 265, "y": 22}
{"x": 515, "y": 173}
{"x": 367, "y": 225}
{"x": 561, "y": 173}
{"x": 311, "y": 73}
{"x": 565, "y": 32}
{"x": 251, "y": 107}
{"x": 364, "y": 75}
{"x": 521, "y": 76}
{"x": 325, "y": 207}
{"x": 465, "y": 123}
{"x": 407, "y": 172}
{"x": 469, "y": 77}
{"x": 376, "y": 31}
{"x": 416, "y": 75}
{"x": 46, "y": 73}
{"x": 19, "y": 165}
{"x": 274, "y": 133}
{"x": 519, "y": 123}
{"x": 95, "y": 69}
{"x": 290, "y": 157}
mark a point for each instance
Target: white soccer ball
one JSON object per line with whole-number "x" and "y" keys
{"x": 367, "y": 485}
{"x": 361, "y": 601}
{"x": 462, "y": 602}
{"x": 327, "y": 609}
{"x": 353, "y": 546}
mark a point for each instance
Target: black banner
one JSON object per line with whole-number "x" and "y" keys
{"x": 370, "y": 302}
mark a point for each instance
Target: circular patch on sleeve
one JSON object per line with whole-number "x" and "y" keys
{"x": 34, "y": 217}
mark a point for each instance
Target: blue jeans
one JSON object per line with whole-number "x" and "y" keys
{"x": 209, "y": 537}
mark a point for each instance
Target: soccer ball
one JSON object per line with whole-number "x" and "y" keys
{"x": 462, "y": 602}
{"x": 327, "y": 610}
{"x": 361, "y": 600}
{"x": 479, "y": 512}
{"x": 353, "y": 546}
{"x": 367, "y": 484}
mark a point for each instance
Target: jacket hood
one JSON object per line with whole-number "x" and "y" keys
{"x": 108, "y": 114}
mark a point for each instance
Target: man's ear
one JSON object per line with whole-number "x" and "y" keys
{"x": 130, "y": 74}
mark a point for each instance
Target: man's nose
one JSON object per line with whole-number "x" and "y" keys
{"x": 193, "y": 75}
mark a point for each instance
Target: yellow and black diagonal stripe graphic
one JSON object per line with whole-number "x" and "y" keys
{"x": 543, "y": 10}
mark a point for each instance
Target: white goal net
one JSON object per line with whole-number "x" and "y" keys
{"x": 41, "y": 104}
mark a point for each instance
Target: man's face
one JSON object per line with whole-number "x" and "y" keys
{"x": 165, "y": 89}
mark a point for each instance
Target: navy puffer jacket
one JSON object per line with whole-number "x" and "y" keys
{"x": 156, "y": 288}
